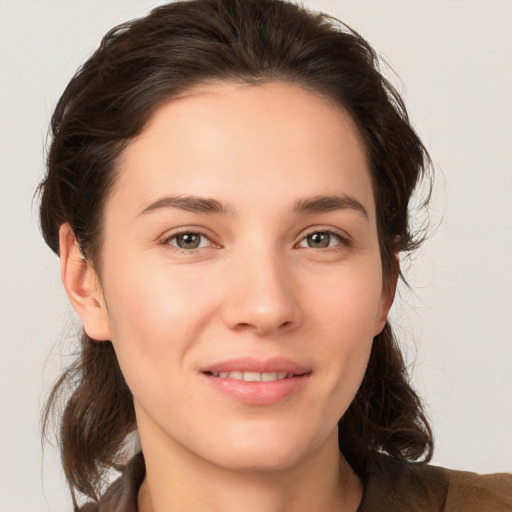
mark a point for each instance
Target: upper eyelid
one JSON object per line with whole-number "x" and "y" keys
{"x": 324, "y": 229}
{"x": 181, "y": 231}
{"x": 178, "y": 233}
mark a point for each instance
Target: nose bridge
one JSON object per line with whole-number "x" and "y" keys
{"x": 260, "y": 294}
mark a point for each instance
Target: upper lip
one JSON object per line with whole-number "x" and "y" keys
{"x": 252, "y": 364}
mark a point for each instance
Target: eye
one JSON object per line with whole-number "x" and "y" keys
{"x": 188, "y": 241}
{"x": 321, "y": 240}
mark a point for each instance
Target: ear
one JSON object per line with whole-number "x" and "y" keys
{"x": 82, "y": 286}
{"x": 388, "y": 296}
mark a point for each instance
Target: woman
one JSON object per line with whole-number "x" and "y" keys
{"x": 228, "y": 187}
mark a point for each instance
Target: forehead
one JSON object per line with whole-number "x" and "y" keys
{"x": 230, "y": 139}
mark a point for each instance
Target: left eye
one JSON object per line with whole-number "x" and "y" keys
{"x": 320, "y": 240}
{"x": 188, "y": 241}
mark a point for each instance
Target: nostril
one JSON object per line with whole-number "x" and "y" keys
{"x": 244, "y": 325}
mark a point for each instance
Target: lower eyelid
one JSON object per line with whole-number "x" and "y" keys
{"x": 342, "y": 240}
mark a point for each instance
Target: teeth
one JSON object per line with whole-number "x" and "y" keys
{"x": 253, "y": 376}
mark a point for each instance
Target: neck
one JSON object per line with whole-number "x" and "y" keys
{"x": 178, "y": 480}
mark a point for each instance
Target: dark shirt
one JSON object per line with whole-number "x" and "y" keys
{"x": 389, "y": 486}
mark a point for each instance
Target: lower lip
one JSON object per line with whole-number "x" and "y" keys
{"x": 259, "y": 393}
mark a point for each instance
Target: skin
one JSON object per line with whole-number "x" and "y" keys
{"x": 255, "y": 286}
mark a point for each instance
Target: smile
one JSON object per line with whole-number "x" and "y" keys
{"x": 253, "y": 376}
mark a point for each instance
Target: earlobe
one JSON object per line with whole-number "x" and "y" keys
{"x": 82, "y": 286}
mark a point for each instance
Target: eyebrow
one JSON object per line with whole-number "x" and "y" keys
{"x": 188, "y": 203}
{"x": 316, "y": 204}
{"x": 321, "y": 204}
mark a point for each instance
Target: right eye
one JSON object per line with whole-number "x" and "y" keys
{"x": 188, "y": 241}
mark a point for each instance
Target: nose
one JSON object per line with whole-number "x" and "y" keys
{"x": 261, "y": 294}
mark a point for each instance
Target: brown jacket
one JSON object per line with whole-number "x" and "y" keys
{"x": 390, "y": 486}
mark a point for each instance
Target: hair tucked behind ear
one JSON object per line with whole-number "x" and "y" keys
{"x": 97, "y": 417}
{"x": 144, "y": 63}
{"x": 386, "y": 414}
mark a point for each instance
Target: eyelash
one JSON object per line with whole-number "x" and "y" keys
{"x": 343, "y": 241}
{"x": 167, "y": 241}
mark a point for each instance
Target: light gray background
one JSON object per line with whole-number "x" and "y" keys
{"x": 454, "y": 59}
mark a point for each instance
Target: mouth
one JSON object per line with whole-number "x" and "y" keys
{"x": 254, "y": 376}
{"x": 257, "y": 382}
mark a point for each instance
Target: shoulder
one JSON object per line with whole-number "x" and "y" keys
{"x": 478, "y": 492}
{"x": 411, "y": 487}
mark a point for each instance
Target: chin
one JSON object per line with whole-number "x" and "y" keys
{"x": 261, "y": 450}
{"x": 257, "y": 460}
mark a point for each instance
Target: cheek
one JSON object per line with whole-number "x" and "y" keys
{"x": 156, "y": 299}
{"x": 348, "y": 301}
{"x": 346, "y": 314}
{"x": 156, "y": 317}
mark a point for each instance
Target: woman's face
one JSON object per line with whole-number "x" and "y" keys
{"x": 241, "y": 274}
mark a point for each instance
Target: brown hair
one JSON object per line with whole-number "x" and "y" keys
{"x": 143, "y": 63}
